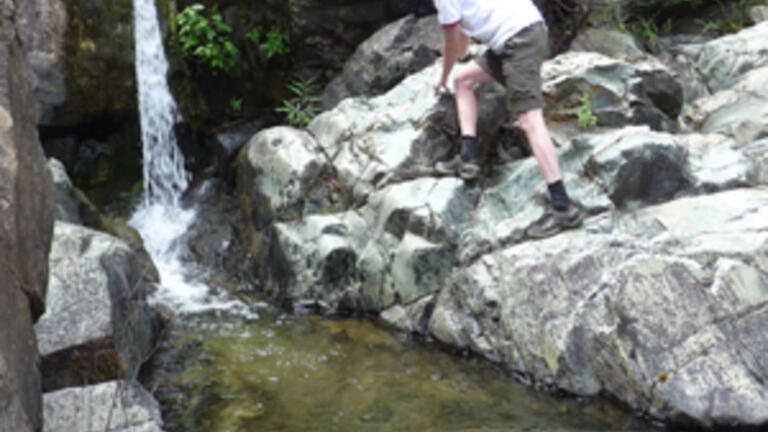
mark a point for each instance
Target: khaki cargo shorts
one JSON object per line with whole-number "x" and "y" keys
{"x": 517, "y": 66}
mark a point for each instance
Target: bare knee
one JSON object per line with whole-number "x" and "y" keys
{"x": 464, "y": 81}
{"x": 531, "y": 121}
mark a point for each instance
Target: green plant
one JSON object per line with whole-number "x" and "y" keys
{"x": 272, "y": 43}
{"x": 206, "y": 38}
{"x": 236, "y": 104}
{"x": 586, "y": 119}
{"x": 303, "y": 106}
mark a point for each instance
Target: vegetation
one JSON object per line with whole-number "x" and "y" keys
{"x": 207, "y": 38}
{"x": 300, "y": 109}
{"x": 586, "y": 119}
{"x": 663, "y": 15}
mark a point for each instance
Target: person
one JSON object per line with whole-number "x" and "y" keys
{"x": 517, "y": 40}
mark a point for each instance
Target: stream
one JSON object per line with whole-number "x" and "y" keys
{"x": 230, "y": 364}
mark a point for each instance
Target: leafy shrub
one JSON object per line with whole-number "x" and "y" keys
{"x": 586, "y": 119}
{"x": 206, "y": 38}
{"x": 303, "y": 106}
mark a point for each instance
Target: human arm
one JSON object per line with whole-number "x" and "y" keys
{"x": 455, "y": 44}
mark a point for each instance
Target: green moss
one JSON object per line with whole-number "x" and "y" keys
{"x": 99, "y": 61}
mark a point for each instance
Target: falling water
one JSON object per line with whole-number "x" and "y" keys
{"x": 160, "y": 218}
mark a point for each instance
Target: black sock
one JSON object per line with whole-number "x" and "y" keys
{"x": 468, "y": 148}
{"x": 560, "y": 200}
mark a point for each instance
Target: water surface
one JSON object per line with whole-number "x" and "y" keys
{"x": 228, "y": 373}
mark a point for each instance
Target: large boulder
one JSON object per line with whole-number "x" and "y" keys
{"x": 97, "y": 326}
{"x": 115, "y": 406}
{"x": 26, "y": 218}
{"x": 397, "y": 50}
{"x": 619, "y": 93}
{"x": 720, "y": 64}
{"x": 657, "y": 308}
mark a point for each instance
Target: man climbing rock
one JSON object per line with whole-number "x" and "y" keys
{"x": 517, "y": 38}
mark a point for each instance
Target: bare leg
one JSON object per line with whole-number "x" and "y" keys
{"x": 466, "y": 103}
{"x": 536, "y": 131}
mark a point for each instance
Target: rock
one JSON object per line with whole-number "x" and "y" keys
{"x": 631, "y": 305}
{"x": 619, "y": 93}
{"x": 609, "y": 42}
{"x": 115, "y": 406}
{"x": 283, "y": 169}
{"x": 26, "y": 221}
{"x": 397, "y": 50}
{"x": 411, "y": 318}
{"x": 328, "y": 32}
{"x": 397, "y": 248}
{"x": 47, "y": 56}
{"x": 72, "y": 206}
{"x": 398, "y": 135}
{"x": 649, "y": 167}
{"x": 97, "y": 325}
{"x": 740, "y": 112}
{"x": 67, "y": 207}
{"x": 722, "y": 62}
{"x": 758, "y": 13}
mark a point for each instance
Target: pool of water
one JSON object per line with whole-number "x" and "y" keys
{"x": 273, "y": 372}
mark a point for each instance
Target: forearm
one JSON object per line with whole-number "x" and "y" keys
{"x": 454, "y": 47}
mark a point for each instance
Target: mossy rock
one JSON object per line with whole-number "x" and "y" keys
{"x": 100, "y": 67}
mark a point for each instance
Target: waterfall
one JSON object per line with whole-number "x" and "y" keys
{"x": 160, "y": 218}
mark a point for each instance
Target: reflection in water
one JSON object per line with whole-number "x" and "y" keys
{"x": 279, "y": 373}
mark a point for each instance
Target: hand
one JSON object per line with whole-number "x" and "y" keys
{"x": 440, "y": 87}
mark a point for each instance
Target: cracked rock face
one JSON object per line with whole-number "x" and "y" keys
{"x": 662, "y": 308}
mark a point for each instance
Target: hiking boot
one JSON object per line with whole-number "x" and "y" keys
{"x": 555, "y": 221}
{"x": 456, "y": 166}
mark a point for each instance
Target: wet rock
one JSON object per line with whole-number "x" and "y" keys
{"x": 116, "y": 406}
{"x": 72, "y": 206}
{"x": 97, "y": 325}
{"x": 758, "y": 13}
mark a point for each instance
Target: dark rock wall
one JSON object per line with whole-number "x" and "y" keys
{"x": 26, "y": 211}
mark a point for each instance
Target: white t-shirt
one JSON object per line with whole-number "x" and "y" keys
{"x": 491, "y": 21}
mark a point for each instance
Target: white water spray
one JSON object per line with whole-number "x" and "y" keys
{"x": 160, "y": 219}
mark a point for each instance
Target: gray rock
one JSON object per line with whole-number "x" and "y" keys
{"x": 116, "y": 406}
{"x": 619, "y": 93}
{"x": 283, "y": 169}
{"x": 609, "y": 42}
{"x": 67, "y": 207}
{"x": 637, "y": 310}
{"x": 397, "y": 50}
{"x": 758, "y": 13}
{"x": 722, "y": 62}
{"x": 741, "y": 113}
{"x": 97, "y": 325}
{"x": 640, "y": 166}
{"x": 26, "y": 225}
{"x": 399, "y": 135}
